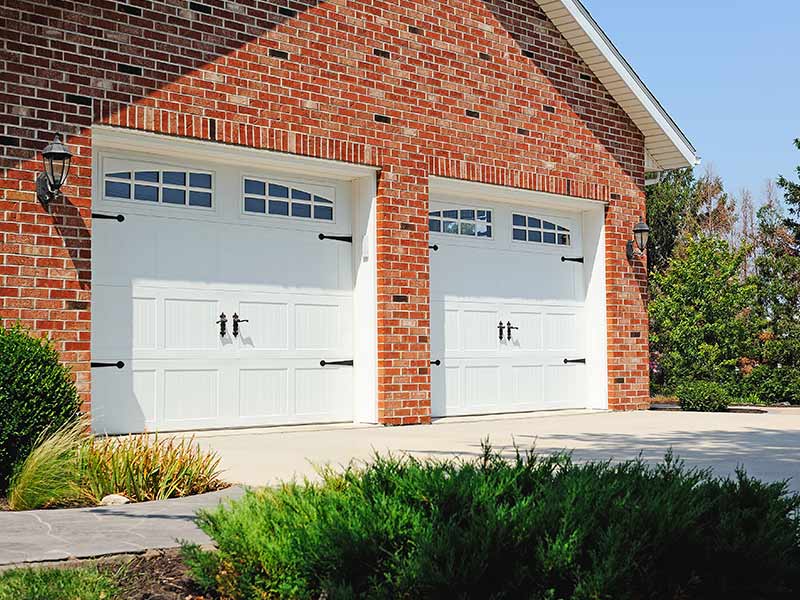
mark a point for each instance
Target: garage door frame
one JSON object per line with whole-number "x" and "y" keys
{"x": 363, "y": 180}
{"x": 592, "y": 216}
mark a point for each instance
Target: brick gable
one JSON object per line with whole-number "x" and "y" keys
{"x": 481, "y": 90}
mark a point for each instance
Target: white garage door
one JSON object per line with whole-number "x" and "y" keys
{"x": 507, "y": 313}
{"x": 199, "y": 241}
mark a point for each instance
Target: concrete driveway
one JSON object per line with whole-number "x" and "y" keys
{"x": 768, "y": 445}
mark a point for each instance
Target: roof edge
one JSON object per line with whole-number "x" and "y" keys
{"x": 615, "y": 58}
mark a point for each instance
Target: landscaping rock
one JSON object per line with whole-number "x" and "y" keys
{"x": 114, "y": 500}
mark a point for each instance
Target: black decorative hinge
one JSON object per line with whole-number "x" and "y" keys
{"x": 436, "y": 362}
{"x": 100, "y": 365}
{"x": 337, "y": 238}
{"x": 578, "y": 259}
{"x": 435, "y": 247}
{"x": 119, "y": 218}
{"x": 575, "y": 361}
{"x": 337, "y": 363}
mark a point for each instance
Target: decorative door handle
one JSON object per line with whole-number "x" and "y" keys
{"x": 500, "y": 330}
{"x": 236, "y": 321}
{"x": 509, "y": 327}
{"x": 575, "y": 361}
{"x": 223, "y": 324}
{"x": 336, "y": 363}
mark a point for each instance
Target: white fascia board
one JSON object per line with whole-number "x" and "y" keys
{"x": 623, "y": 69}
{"x": 116, "y": 138}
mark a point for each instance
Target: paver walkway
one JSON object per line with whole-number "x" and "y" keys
{"x": 43, "y": 535}
{"x": 768, "y": 445}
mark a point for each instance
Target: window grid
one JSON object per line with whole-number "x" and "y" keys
{"x": 471, "y": 222}
{"x": 527, "y": 228}
{"x": 173, "y": 187}
{"x": 264, "y": 197}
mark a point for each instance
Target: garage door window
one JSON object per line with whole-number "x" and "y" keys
{"x": 527, "y": 228}
{"x": 284, "y": 200}
{"x": 173, "y": 187}
{"x": 464, "y": 221}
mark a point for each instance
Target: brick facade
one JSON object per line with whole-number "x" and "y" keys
{"x": 482, "y": 90}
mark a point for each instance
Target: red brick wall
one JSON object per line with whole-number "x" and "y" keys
{"x": 309, "y": 78}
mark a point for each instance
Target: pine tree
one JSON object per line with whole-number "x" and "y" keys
{"x": 791, "y": 198}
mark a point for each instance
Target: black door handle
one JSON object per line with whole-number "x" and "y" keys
{"x": 509, "y": 330}
{"x": 236, "y": 321}
{"x": 223, "y": 324}
{"x": 575, "y": 361}
{"x": 500, "y": 330}
{"x": 119, "y": 218}
{"x": 336, "y": 238}
{"x": 99, "y": 365}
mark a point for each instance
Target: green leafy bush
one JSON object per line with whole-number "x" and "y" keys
{"x": 701, "y": 315}
{"x": 536, "y": 527}
{"x": 774, "y": 384}
{"x": 36, "y": 393}
{"x": 703, "y": 396}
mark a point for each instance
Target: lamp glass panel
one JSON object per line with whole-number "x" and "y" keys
{"x": 641, "y": 239}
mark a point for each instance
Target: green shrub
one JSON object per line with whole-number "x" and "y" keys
{"x": 56, "y": 584}
{"x": 143, "y": 467}
{"x": 703, "y": 396}
{"x": 50, "y": 474}
{"x": 536, "y": 527}
{"x": 36, "y": 392}
{"x": 774, "y": 384}
{"x": 701, "y": 321}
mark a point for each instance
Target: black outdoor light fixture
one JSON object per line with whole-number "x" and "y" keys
{"x": 641, "y": 233}
{"x": 56, "y": 158}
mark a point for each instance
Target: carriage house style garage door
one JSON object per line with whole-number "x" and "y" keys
{"x": 509, "y": 326}
{"x": 219, "y": 296}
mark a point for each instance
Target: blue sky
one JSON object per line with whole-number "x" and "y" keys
{"x": 725, "y": 70}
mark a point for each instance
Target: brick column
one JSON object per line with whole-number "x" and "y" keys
{"x": 404, "y": 379}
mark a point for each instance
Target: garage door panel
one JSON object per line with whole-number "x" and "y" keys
{"x": 481, "y": 387}
{"x": 191, "y": 395}
{"x": 124, "y": 401}
{"x": 189, "y": 324}
{"x": 563, "y": 385}
{"x": 527, "y": 385}
{"x": 529, "y": 335}
{"x": 267, "y": 326}
{"x": 317, "y": 389}
{"x": 478, "y": 330}
{"x": 561, "y": 331}
{"x": 317, "y": 326}
{"x": 263, "y": 393}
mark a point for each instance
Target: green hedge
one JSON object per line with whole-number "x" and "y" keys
{"x": 703, "y": 396}
{"x": 537, "y": 528}
{"x": 36, "y": 393}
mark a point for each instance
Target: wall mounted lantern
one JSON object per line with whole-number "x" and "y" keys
{"x": 56, "y": 158}
{"x": 641, "y": 233}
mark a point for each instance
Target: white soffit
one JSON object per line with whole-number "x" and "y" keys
{"x": 666, "y": 145}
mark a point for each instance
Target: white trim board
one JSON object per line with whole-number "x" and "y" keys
{"x": 444, "y": 186}
{"x": 131, "y": 140}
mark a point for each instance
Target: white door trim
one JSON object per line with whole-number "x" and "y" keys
{"x": 444, "y": 186}
{"x": 130, "y": 140}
